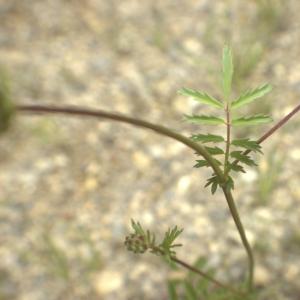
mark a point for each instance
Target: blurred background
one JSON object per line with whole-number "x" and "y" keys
{"x": 69, "y": 187}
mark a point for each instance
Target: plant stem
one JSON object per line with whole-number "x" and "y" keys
{"x": 206, "y": 276}
{"x": 164, "y": 131}
{"x": 240, "y": 228}
{"x": 279, "y": 124}
{"x": 69, "y": 110}
{"x": 228, "y": 126}
{"x": 199, "y": 272}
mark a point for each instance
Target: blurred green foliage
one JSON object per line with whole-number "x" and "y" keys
{"x": 6, "y": 106}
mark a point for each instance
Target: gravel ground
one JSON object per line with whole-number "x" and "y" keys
{"x": 69, "y": 187}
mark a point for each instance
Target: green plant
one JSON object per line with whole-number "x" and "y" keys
{"x": 232, "y": 160}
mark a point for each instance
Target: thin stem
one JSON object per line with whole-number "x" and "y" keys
{"x": 161, "y": 130}
{"x": 69, "y": 110}
{"x": 240, "y": 228}
{"x": 206, "y": 276}
{"x": 228, "y": 141}
{"x": 273, "y": 129}
{"x": 199, "y": 272}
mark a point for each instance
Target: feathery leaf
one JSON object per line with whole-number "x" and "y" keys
{"x": 201, "y": 97}
{"x": 203, "y": 163}
{"x": 247, "y": 144}
{"x": 214, "y": 150}
{"x": 252, "y": 120}
{"x": 243, "y": 158}
{"x": 251, "y": 95}
{"x": 236, "y": 168}
{"x": 203, "y": 119}
{"x": 206, "y": 138}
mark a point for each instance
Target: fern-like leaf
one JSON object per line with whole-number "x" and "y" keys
{"x": 214, "y": 150}
{"x": 206, "y": 138}
{"x": 236, "y": 168}
{"x": 243, "y": 158}
{"x": 203, "y": 163}
{"x": 203, "y": 119}
{"x": 201, "y": 97}
{"x": 252, "y": 120}
{"x": 251, "y": 95}
{"x": 247, "y": 144}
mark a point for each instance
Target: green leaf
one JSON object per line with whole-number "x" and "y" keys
{"x": 7, "y": 109}
{"x": 137, "y": 228}
{"x": 172, "y": 290}
{"x": 169, "y": 238}
{"x": 236, "y": 168}
{"x": 201, "y": 97}
{"x": 214, "y": 187}
{"x": 230, "y": 183}
{"x": 203, "y": 163}
{"x": 252, "y": 120}
{"x": 203, "y": 119}
{"x": 210, "y": 180}
{"x": 214, "y": 182}
{"x": 191, "y": 293}
{"x": 227, "y": 71}
{"x": 251, "y": 95}
{"x": 200, "y": 263}
{"x": 206, "y": 138}
{"x": 243, "y": 158}
{"x": 214, "y": 150}
{"x": 247, "y": 144}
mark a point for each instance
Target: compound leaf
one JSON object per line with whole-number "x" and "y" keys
{"x": 251, "y": 95}
{"x": 201, "y": 97}
{"x": 247, "y": 144}
{"x": 227, "y": 71}
{"x": 252, "y": 120}
{"x": 243, "y": 158}
{"x": 206, "y": 138}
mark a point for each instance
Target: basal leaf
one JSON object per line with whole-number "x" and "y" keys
{"x": 203, "y": 119}
{"x": 252, "y": 120}
{"x": 247, "y": 144}
{"x": 206, "y": 138}
{"x": 227, "y": 71}
{"x": 201, "y": 97}
{"x": 243, "y": 158}
{"x": 214, "y": 150}
{"x": 251, "y": 95}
